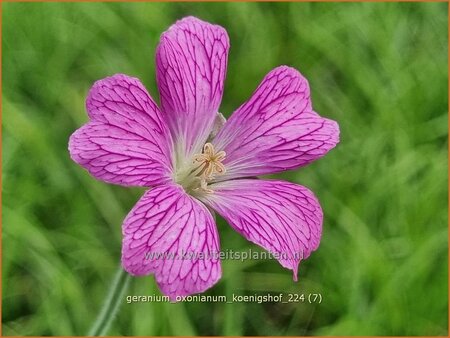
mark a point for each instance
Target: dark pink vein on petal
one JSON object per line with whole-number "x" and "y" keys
{"x": 282, "y": 217}
{"x": 169, "y": 223}
{"x": 127, "y": 142}
{"x": 276, "y": 129}
{"x": 191, "y": 65}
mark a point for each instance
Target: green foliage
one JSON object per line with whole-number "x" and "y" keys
{"x": 379, "y": 69}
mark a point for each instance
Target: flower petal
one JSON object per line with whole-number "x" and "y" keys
{"x": 282, "y": 217}
{"x": 191, "y": 63}
{"x": 276, "y": 129}
{"x": 127, "y": 141}
{"x": 174, "y": 236}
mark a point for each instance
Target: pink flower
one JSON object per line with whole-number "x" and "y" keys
{"x": 195, "y": 162}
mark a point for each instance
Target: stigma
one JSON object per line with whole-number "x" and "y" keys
{"x": 209, "y": 162}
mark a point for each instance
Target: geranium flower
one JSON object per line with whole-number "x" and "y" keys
{"x": 195, "y": 162}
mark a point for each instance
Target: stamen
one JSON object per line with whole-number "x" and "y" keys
{"x": 203, "y": 187}
{"x": 207, "y": 165}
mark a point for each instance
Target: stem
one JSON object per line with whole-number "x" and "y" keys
{"x": 111, "y": 304}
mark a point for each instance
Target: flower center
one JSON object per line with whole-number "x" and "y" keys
{"x": 205, "y": 167}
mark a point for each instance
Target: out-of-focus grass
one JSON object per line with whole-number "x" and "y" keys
{"x": 380, "y": 70}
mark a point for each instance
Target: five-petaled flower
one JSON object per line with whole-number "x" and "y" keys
{"x": 196, "y": 162}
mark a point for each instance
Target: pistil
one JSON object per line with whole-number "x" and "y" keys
{"x": 204, "y": 168}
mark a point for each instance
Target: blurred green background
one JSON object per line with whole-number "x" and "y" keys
{"x": 379, "y": 69}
